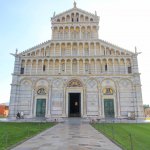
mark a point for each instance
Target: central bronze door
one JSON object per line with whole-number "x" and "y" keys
{"x": 40, "y": 107}
{"x": 74, "y": 105}
{"x": 109, "y": 108}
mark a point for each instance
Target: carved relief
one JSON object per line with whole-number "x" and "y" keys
{"x": 74, "y": 83}
{"x": 41, "y": 91}
{"x": 108, "y": 91}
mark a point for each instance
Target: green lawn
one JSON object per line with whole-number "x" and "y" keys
{"x": 2, "y": 116}
{"x": 129, "y": 136}
{"x": 12, "y": 133}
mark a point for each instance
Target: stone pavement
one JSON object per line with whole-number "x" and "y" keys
{"x": 73, "y": 134}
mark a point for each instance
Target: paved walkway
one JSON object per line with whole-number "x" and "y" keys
{"x": 71, "y": 135}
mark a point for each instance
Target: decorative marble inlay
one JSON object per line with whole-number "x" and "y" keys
{"x": 125, "y": 83}
{"x": 92, "y": 83}
{"x": 57, "y": 83}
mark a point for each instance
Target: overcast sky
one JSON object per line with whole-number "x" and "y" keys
{"x": 26, "y": 23}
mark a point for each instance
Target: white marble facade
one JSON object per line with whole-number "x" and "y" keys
{"x": 75, "y": 60}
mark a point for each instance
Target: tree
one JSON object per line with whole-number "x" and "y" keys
{"x": 146, "y": 106}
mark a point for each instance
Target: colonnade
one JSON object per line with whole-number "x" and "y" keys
{"x": 74, "y": 32}
{"x": 76, "y": 66}
{"x": 75, "y": 17}
{"x": 76, "y": 49}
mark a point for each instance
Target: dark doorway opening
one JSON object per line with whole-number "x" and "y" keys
{"x": 74, "y": 104}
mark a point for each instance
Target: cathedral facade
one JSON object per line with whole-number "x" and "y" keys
{"x": 76, "y": 74}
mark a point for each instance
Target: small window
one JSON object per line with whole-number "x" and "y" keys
{"x": 129, "y": 69}
{"x": 72, "y": 19}
{"x": 77, "y": 19}
{"x": 86, "y": 67}
{"x": 44, "y": 67}
{"x": 106, "y": 67}
{"x": 22, "y": 71}
{"x": 63, "y": 67}
{"x": 58, "y": 20}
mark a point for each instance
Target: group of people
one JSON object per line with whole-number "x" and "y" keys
{"x": 20, "y": 115}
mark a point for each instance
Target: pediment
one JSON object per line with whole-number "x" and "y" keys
{"x": 75, "y": 12}
{"x": 110, "y": 46}
{"x": 35, "y": 49}
{"x": 48, "y": 44}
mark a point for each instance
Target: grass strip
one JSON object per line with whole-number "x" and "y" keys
{"x": 129, "y": 136}
{"x": 12, "y": 133}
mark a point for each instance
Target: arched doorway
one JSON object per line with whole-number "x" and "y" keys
{"x": 41, "y": 102}
{"x": 109, "y": 109}
{"x": 74, "y": 97}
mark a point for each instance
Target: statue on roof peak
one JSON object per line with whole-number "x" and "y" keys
{"x": 75, "y": 4}
{"x": 54, "y": 14}
{"x": 135, "y": 49}
{"x": 95, "y": 13}
{"x": 16, "y": 51}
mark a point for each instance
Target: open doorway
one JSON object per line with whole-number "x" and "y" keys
{"x": 74, "y": 105}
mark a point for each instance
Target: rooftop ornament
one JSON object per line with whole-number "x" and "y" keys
{"x": 75, "y": 4}
{"x": 16, "y": 51}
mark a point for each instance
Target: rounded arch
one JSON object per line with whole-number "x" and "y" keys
{"x": 91, "y": 19}
{"x": 86, "y": 18}
{"x": 25, "y": 81}
{"x": 66, "y": 29}
{"x": 81, "y": 18}
{"x": 128, "y": 62}
{"x": 110, "y": 61}
{"x": 42, "y": 82}
{"x": 61, "y": 29}
{"x": 125, "y": 83}
{"x": 83, "y": 29}
{"x": 58, "y": 20}
{"x": 122, "y": 61}
{"x": 117, "y": 52}
{"x": 68, "y": 18}
{"x": 63, "y": 19}
{"x": 41, "y": 86}
{"x": 108, "y": 83}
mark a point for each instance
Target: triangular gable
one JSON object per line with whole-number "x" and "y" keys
{"x": 39, "y": 46}
{"x": 104, "y": 43}
{"x": 77, "y": 10}
{"x": 110, "y": 45}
